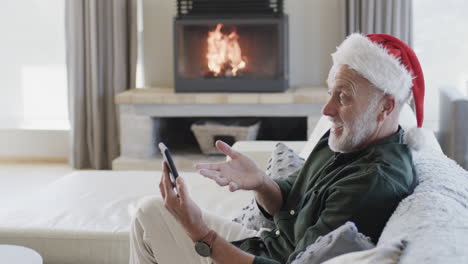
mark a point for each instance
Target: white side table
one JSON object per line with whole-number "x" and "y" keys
{"x": 12, "y": 254}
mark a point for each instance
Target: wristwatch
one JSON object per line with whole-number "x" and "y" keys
{"x": 203, "y": 248}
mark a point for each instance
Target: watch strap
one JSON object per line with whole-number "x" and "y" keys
{"x": 204, "y": 246}
{"x": 210, "y": 238}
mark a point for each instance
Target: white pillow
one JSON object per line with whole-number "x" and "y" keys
{"x": 319, "y": 130}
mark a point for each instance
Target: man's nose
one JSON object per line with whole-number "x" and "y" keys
{"x": 329, "y": 109}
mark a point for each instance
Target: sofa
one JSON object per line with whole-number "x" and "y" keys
{"x": 453, "y": 128}
{"x": 84, "y": 217}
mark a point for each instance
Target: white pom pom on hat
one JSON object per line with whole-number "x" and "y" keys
{"x": 390, "y": 65}
{"x": 414, "y": 137}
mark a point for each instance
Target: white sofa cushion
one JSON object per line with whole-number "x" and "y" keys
{"x": 434, "y": 218}
{"x": 320, "y": 128}
{"x": 84, "y": 217}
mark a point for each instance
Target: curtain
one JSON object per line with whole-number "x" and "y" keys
{"x": 101, "y": 44}
{"x": 392, "y": 17}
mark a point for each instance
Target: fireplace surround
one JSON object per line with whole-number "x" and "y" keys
{"x": 231, "y": 46}
{"x": 159, "y": 114}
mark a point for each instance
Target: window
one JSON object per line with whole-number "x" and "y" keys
{"x": 33, "y": 82}
{"x": 440, "y": 42}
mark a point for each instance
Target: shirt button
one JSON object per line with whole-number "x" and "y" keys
{"x": 277, "y": 232}
{"x": 292, "y": 212}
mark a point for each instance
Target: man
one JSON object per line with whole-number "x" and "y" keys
{"x": 359, "y": 171}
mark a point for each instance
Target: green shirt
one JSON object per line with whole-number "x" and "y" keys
{"x": 364, "y": 187}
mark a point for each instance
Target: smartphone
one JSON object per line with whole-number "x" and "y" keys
{"x": 168, "y": 158}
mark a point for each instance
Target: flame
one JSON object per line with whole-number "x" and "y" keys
{"x": 224, "y": 53}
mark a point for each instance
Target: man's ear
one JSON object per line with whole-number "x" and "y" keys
{"x": 387, "y": 107}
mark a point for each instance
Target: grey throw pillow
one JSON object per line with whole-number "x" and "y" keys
{"x": 386, "y": 253}
{"x": 283, "y": 162}
{"x": 342, "y": 240}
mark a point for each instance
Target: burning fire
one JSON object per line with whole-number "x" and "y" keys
{"x": 224, "y": 53}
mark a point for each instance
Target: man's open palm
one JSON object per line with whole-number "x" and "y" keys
{"x": 240, "y": 172}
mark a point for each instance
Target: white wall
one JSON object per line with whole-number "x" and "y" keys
{"x": 21, "y": 144}
{"x": 316, "y": 27}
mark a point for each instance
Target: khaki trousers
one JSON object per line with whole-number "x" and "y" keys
{"x": 156, "y": 237}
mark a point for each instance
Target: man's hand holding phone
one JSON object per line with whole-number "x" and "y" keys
{"x": 177, "y": 200}
{"x": 189, "y": 215}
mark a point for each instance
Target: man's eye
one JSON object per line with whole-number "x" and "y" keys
{"x": 343, "y": 99}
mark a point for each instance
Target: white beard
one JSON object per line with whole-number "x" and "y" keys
{"x": 354, "y": 133}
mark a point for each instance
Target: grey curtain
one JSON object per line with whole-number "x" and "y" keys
{"x": 380, "y": 16}
{"x": 101, "y": 46}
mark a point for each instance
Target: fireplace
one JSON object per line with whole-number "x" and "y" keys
{"x": 231, "y": 46}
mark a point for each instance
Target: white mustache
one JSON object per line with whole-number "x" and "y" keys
{"x": 336, "y": 122}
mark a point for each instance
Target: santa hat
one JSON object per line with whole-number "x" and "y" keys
{"x": 391, "y": 66}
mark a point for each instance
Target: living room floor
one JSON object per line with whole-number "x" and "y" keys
{"x": 20, "y": 179}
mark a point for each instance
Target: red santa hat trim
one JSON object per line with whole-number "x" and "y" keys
{"x": 391, "y": 66}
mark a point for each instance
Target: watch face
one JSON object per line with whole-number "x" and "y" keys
{"x": 203, "y": 249}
